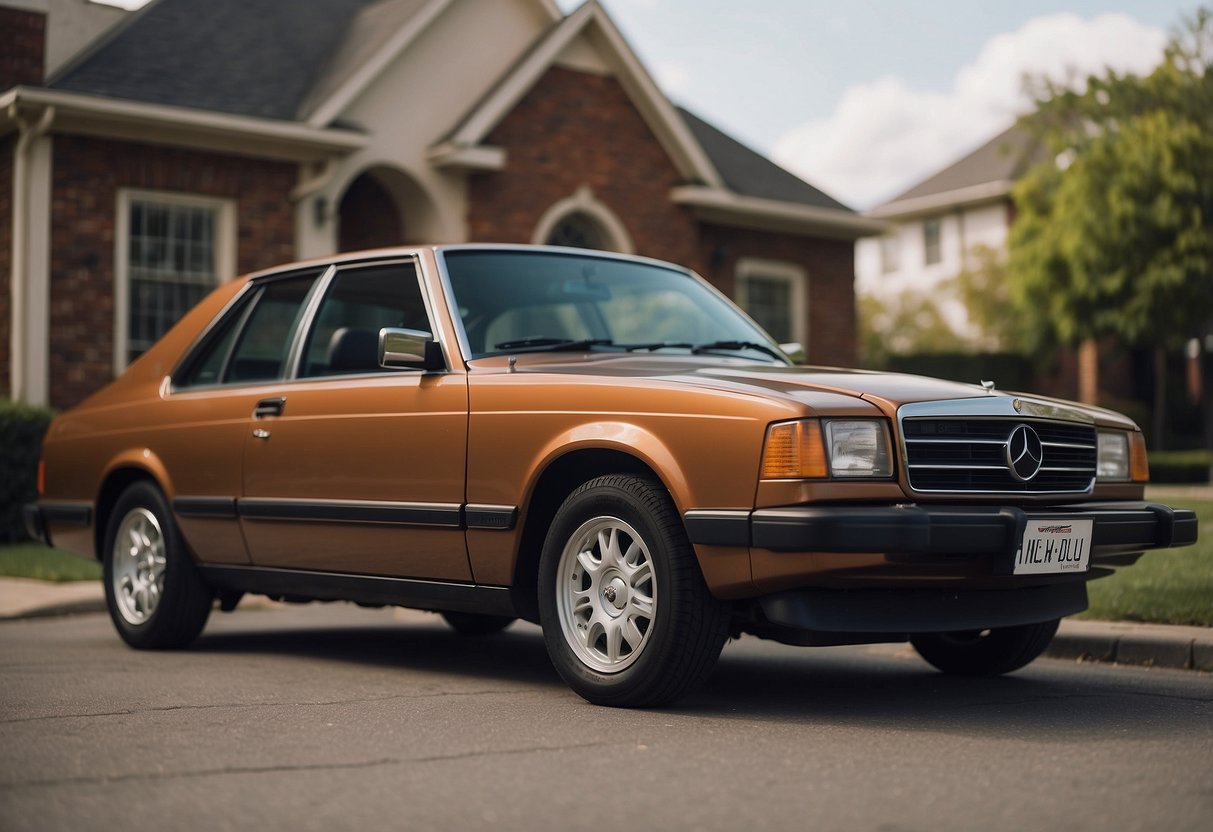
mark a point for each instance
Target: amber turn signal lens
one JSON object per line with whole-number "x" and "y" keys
{"x": 794, "y": 450}
{"x": 1139, "y": 461}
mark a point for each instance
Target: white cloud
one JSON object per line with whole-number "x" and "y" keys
{"x": 884, "y": 136}
{"x": 673, "y": 77}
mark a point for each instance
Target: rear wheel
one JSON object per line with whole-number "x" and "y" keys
{"x": 154, "y": 593}
{"x": 471, "y": 624}
{"x": 627, "y": 618}
{"x": 985, "y": 652}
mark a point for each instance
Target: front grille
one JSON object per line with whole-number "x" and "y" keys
{"x": 970, "y": 455}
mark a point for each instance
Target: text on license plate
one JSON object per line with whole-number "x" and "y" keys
{"x": 1051, "y": 546}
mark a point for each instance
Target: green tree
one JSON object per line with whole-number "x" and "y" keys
{"x": 908, "y": 322}
{"x": 1114, "y": 238}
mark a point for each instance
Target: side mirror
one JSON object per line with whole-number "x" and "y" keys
{"x": 409, "y": 349}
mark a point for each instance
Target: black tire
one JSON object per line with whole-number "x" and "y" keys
{"x": 182, "y": 601}
{"x": 472, "y": 624}
{"x": 985, "y": 652}
{"x": 652, "y": 594}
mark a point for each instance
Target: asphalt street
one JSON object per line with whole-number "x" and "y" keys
{"x": 336, "y": 717}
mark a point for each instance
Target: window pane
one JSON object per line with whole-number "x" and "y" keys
{"x": 261, "y": 352}
{"x": 171, "y": 266}
{"x": 360, "y": 302}
{"x": 930, "y": 242}
{"x": 577, "y": 231}
{"x": 769, "y": 302}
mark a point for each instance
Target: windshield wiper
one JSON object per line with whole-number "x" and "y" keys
{"x": 545, "y": 344}
{"x": 657, "y": 345}
{"x": 737, "y": 345}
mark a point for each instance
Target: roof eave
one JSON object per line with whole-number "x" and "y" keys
{"x": 904, "y": 209}
{"x": 728, "y": 208}
{"x": 182, "y": 126}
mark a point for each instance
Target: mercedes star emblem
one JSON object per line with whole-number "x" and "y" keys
{"x": 1024, "y": 453}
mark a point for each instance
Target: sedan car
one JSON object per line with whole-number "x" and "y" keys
{"x": 601, "y": 444}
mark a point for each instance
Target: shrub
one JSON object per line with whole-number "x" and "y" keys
{"x": 1180, "y": 466}
{"x": 21, "y": 430}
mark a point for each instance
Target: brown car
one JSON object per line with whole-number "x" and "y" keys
{"x": 601, "y": 444}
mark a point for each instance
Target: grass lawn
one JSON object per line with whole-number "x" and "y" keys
{"x": 1167, "y": 586}
{"x": 33, "y": 560}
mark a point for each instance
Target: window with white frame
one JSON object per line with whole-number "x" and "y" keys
{"x": 775, "y": 294}
{"x": 172, "y": 250}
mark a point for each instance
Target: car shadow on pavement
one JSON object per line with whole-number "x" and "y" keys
{"x": 516, "y": 655}
{"x": 885, "y": 687}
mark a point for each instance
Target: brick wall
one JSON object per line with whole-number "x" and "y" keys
{"x": 87, "y": 176}
{"x": 829, "y": 265}
{"x": 574, "y": 129}
{"x": 7, "y": 147}
{"x": 22, "y": 47}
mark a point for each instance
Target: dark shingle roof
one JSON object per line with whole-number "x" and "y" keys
{"x": 1003, "y": 158}
{"x": 749, "y": 173}
{"x": 247, "y": 57}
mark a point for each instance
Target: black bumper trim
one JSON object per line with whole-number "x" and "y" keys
{"x": 915, "y": 530}
{"x": 38, "y": 517}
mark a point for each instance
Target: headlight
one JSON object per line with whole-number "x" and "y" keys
{"x": 815, "y": 449}
{"x": 1122, "y": 457}
{"x": 858, "y": 448}
{"x": 1112, "y": 461}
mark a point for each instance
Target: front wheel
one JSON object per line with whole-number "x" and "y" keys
{"x": 627, "y": 618}
{"x": 154, "y": 593}
{"x": 985, "y": 652}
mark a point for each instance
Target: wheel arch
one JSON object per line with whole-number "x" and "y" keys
{"x": 125, "y": 470}
{"x": 562, "y": 475}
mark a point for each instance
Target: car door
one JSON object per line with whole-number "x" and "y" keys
{"x": 211, "y": 399}
{"x": 350, "y": 467}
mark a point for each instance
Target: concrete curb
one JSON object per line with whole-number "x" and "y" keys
{"x": 1122, "y": 642}
{"x": 1117, "y": 642}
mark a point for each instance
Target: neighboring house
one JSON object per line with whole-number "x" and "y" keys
{"x": 938, "y": 224}
{"x": 200, "y": 139}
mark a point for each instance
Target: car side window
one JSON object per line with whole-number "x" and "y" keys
{"x": 360, "y": 301}
{"x": 264, "y": 344}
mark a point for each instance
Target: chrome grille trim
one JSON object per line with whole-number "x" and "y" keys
{"x": 967, "y": 457}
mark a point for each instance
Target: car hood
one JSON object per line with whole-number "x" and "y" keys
{"x": 816, "y": 387}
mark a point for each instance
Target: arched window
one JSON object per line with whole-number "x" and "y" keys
{"x": 581, "y": 221}
{"x": 577, "y": 230}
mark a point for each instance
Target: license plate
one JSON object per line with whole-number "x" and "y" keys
{"x": 1052, "y": 546}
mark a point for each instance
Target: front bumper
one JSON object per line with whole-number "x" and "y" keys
{"x": 909, "y": 532}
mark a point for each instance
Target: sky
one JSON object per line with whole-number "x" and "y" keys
{"x": 864, "y": 98}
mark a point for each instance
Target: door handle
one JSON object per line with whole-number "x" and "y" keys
{"x": 269, "y": 407}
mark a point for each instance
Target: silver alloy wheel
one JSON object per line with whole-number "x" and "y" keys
{"x": 137, "y": 577}
{"x": 606, "y": 594}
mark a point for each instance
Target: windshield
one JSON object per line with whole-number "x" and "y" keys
{"x": 523, "y": 301}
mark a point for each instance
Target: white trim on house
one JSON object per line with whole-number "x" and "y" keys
{"x": 905, "y": 209}
{"x": 584, "y": 202}
{"x": 656, "y": 110}
{"x": 180, "y": 126}
{"x": 718, "y": 205}
{"x": 481, "y": 158}
{"x": 782, "y": 271}
{"x": 225, "y": 251}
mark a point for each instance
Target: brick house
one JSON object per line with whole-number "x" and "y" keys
{"x": 196, "y": 140}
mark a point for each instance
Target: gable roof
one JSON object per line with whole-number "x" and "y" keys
{"x": 984, "y": 174}
{"x": 245, "y": 57}
{"x": 750, "y": 173}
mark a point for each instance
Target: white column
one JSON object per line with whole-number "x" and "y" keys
{"x": 38, "y": 272}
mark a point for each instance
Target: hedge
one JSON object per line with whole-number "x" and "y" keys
{"x": 21, "y": 430}
{"x": 1180, "y": 467}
